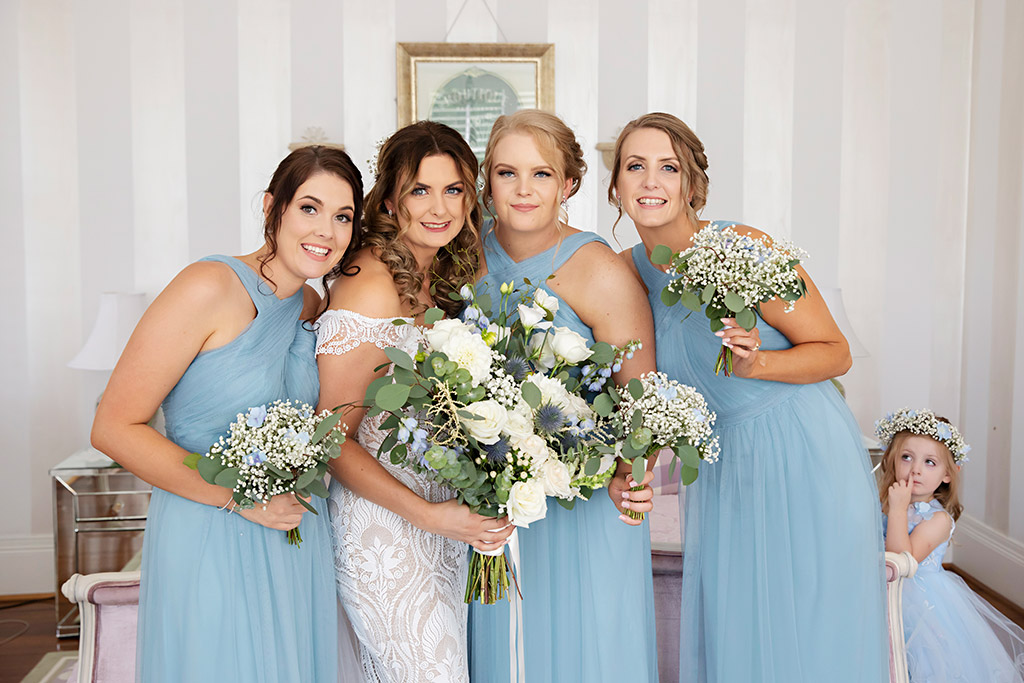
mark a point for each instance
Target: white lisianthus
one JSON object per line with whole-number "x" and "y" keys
{"x": 442, "y": 331}
{"x": 531, "y": 316}
{"x": 552, "y": 391}
{"x": 469, "y": 351}
{"x": 518, "y": 426}
{"x": 546, "y": 301}
{"x": 535, "y": 448}
{"x": 569, "y": 346}
{"x": 557, "y": 479}
{"x": 540, "y": 346}
{"x": 526, "y": 502}
{"x": 492, "y": 418}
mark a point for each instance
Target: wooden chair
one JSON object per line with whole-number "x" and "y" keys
{"x": 109, "y": 607}
{"x": 898, "y": 566}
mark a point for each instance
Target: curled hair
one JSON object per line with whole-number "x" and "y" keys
{"x": 295, "y": 169}
{"x": 555, "y": 140}
{"x": 948, "y": 494}
{"x": 398, "y": 163}
{"x": 688, "y": 149}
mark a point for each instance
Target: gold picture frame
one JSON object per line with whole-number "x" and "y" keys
{"x": 467, "y": 85}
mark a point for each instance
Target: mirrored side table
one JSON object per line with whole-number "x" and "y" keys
{"x": 99, "y": 515}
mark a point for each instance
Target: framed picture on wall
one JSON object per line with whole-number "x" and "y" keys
{"x": 469, "y": 85}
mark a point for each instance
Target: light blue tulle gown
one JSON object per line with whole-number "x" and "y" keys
{"x": 783, "y": 562}
{"x": 588, "y": 596}
{"x": 224, "y": 599}
{"x": 951, "y": 633}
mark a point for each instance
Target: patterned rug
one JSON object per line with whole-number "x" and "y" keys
{"x": 54, "y": 667}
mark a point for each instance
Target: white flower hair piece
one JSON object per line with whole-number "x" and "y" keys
{"x": 923, "y": 423}
{"x": 371, "y": 163}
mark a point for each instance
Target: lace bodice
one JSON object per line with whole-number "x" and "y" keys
{"x": 401, "y": 587}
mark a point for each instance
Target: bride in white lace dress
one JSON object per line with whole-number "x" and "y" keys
{"x": 400, "y": 549}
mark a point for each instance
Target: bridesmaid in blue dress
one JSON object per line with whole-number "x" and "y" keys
{"x": 224, "y": 597}
{"x": 782, "y": 568}
{"x": 588, "y": 602}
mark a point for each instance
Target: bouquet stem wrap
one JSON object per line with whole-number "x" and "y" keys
{"x": 488, "y": 569}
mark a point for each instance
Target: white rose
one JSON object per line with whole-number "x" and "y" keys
{"x": 471, "y": 352}
{"x": 531, "y": 316}
{"x": 540, "y": 346}
{"x": 579, "y": 407}
{"x": 552, "y": 391}
{"x": 438, "y": 335}
{"x": 533, "y": 447}
{"x": 526, "y": 502}
{"x": 492, "y": 418}
{"x": 546, "y": 301}
{"x": 518, "y": 426}
{"x": 556, "y": 478}
{"x": 569, "y": 346}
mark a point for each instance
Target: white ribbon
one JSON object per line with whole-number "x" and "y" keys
{"x": 516, "y": 656}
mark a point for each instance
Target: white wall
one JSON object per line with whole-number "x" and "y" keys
{"x": 878, "y": 134}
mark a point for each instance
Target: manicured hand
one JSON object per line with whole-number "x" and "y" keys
{"x": 637, "y": 501}
{"x": 454, "y": 520}
{"x": 282, "y": 512}
{"x": 745, "y": 346}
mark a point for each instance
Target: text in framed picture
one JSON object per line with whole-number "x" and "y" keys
{"x": 469, "y": 85}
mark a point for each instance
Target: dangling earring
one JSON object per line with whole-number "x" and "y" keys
{"x": 563, "y": 204}
{"x": 618, "y": 202}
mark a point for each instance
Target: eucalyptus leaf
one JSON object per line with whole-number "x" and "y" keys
{"x": 392, "y": 397}
{"x": 228, "y": 478}
{"x": 629, "y": 451}
{"x": 531, "y": 394}
{"x": 668, "y": 297}
{"x": 639, "y": 469}
{"x": 567, "y": 504}
{"x": 709, "y": 293}
{"x": 417, "y": 391}
{"x": 636, "y": 421}
{"x": 717, "y": 324}
{"x": 747, "y": 319}
{"x": 325, "y": 426}
{"x": 404, "y": 376}
{"x": 602, "y": 353}
{"x": 688, "y": 475}
{"x": 454, "y": 296}
{"x": 484, "y": 302}
{"x": 592, "y": 466}
{"x": 317, "y": 487}
{"x": 661, "y": 255}
{"x": 735, "y": 302}
{"x": 209, "y": 468}
{"x": 690, "y": 300}
{"x": 636, "y": 389}
{"x": 304, "y": 478}
{"x": 688, "y": 455}
{"x": 191, "y": 460}
{"x": 604, "y": 405}
{"x": 432, "y": 315}
{"x": 374, "y": 387}
{"x": 306, "y": 504}
{"x": 400, "y": 358}
{"x": 278, "y": 472}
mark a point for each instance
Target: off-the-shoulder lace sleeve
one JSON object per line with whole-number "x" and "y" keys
{"x": 340, "y": 331}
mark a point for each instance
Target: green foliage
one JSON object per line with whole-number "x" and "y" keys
{"x": 661, "y": 255}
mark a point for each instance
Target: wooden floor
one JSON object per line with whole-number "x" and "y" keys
{"x": 18, "y": 656}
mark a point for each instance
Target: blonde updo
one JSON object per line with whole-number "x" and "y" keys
{"x": 689, "y": 150}
{"x": 555, "y": 140}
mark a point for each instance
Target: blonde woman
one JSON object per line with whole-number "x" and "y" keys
{"x": 588, "y": 605}
{"x": 400, "y": 541}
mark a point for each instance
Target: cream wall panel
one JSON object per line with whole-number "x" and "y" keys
{"x": 673, "y": 42}
{"x": 573, "y": 27}
{"x": 421, "y": 21}
{"x": 523, "y": 21}
{"x": 768, "y": 116}
{"x": 264, "y": 106}
{"x": 50, "y": 201}
{"x": 15, "y": 389}
{"x": 318, "y": 97}
{"x": 159, "y": 177}
{"x": 471, "y": 21}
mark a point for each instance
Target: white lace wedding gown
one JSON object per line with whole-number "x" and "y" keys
{"x": 402, "y": 588}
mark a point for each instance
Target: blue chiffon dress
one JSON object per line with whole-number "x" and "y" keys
{"x": 783, "y": 570}
{"x": 223, "y": 598}
{"x": 588, "y": 595}
{"x": 951, "y": 633}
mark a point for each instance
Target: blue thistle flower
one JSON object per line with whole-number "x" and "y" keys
{"x": 497, "y": 452}
{"x": 549, "y": 419}
{"x": 517, "y": 367}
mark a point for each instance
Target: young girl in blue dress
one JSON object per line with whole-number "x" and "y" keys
{"x": 224, "y": 597}
{"x": 951, "y": 633}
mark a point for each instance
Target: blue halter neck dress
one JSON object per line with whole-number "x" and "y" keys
{"x": 588, "y": 596}
{"x": 222, "y": 598}
{"x": 783, "y": 572}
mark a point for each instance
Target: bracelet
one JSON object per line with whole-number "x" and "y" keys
{"x": 230, "y": 505}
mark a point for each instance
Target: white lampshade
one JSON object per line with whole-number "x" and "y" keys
{"x": 833, "y": 297}
{"x": 119, "y": 312}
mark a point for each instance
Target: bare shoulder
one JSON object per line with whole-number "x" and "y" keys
{"x": 626, "y": 256}
{"x": 370, "y": 290}
{"x": 598, "y": 265}
{"x": 206, "y": 285}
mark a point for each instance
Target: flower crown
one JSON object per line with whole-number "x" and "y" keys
{"x": 923, "y": 423}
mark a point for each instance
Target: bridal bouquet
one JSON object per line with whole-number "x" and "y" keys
{"x": 488, "y": 408}
{"x": 730, "y": 276}
{"x": 655, "y": 412}
{"x": 280, "y": 448}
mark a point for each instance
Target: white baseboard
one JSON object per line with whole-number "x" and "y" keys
{"x": 26, "y": 564}
{"x": 990, "y": 556}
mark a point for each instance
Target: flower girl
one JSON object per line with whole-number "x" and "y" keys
{"x": 951, "y": 633}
